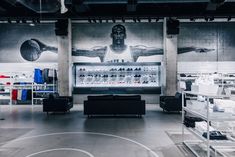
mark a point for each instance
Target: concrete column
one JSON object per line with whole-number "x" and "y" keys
{"x": 169, "y": 68}
{"x": 65, "y": 63}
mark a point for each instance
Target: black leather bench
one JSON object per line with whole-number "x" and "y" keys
{"x": 56, "y": 103}
{"x": 114, "y": 105}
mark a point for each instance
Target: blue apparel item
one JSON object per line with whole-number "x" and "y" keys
{"x": 24, "y": 95}
{"x": 38, "y": 76}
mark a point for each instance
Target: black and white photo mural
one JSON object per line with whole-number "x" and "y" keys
{"x": 218, "y": 37}
{"x": 112, "y": 42}
{"x": 20, "y": 43}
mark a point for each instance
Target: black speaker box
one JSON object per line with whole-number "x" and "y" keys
{"x": 61, "y": 27}
{"x": 173, "y": 26}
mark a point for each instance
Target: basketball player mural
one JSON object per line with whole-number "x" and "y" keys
{"x": 118, "y": 51}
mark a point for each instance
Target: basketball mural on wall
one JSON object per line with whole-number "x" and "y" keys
{"x": 18, "y": 47}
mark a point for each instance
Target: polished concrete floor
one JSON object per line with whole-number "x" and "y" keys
{"x": 28, "y": 132}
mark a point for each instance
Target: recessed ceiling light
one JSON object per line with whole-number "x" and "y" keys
{"x": 32, "y": 24}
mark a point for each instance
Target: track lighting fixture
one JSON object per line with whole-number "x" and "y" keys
{"x": 9, "y": 20}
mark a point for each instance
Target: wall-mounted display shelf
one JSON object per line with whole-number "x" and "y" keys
{"x": 117, "y": 75}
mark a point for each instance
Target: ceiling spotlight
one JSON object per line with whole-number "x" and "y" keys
{"x": 191, "y": 19}
{"x": 23, "y": 21}
{"x": 123, "y": 20}
{"x": 100, "y": 20}
{"x": 229, "y": 18}
{"x": 134, "y": 19}
{"x": 211, "y": 18}
{"x": 32, "y": 24}
{"x": 9, "y": 20}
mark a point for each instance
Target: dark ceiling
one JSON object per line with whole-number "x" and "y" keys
{"x": 85, "y": 9}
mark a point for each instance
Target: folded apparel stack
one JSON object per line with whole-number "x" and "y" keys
{"x": 213, "y": 134}
{"x": 189, "y": 121}
{"x": 221, "y": 105}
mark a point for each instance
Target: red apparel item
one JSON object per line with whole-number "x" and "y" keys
{"x": 14, "y": 94}
{"x": 4, "y": 76}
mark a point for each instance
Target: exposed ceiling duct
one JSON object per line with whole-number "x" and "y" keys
{"x": 42, "y": 6}
{"x": 85, "y": 9}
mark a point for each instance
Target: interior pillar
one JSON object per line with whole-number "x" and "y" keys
{"x": 65, "y": 63}
{"x": 169, "y": 68}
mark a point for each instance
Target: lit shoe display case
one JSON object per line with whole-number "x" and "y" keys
{"x": 117, "y": 75}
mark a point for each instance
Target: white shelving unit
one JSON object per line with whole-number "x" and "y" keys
{"x": 23, "y": 72}
{"x": 42, "y": 89}
{"x": 7, "y": 77}
{"x": 213, "y": 147}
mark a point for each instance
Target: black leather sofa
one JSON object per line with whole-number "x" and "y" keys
{"x": 56, "y": 103}
{"x": 171, "y": 103}
{"x": 114, "y": 105}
